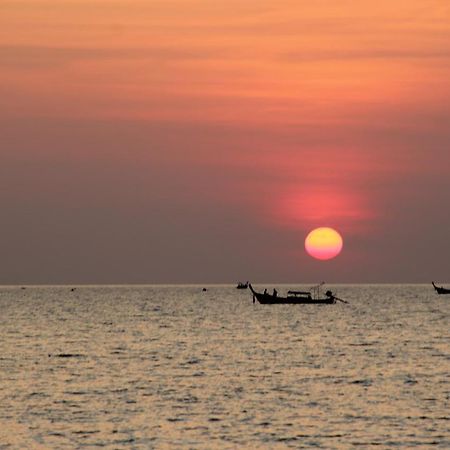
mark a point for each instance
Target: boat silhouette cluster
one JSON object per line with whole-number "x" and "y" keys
{"x": 312, "y": 297}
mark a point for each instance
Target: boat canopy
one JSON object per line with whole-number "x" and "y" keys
{"x": 299, "y": 293}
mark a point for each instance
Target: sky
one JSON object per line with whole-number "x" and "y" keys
{"x": 198, "y": 141}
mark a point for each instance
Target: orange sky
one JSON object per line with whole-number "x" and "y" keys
{"x": 276, "y": 115}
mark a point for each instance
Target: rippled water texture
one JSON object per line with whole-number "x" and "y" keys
{"x": 172, "y": 366}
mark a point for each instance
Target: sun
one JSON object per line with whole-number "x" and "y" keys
{"x": 323, "y": 243}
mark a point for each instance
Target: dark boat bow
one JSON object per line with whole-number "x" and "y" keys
{"x": 440, "y": 290}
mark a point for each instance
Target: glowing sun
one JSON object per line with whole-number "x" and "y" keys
{"x": 323, "y": 243}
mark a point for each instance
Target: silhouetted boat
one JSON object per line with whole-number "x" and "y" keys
{"x": 242, "y": 285}
{"x": 440, "y": 289}
{"x": 295, "y": 297}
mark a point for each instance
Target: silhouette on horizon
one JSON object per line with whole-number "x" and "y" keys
{"x": 440, "y": 289}
{"x": 294, "y": 298}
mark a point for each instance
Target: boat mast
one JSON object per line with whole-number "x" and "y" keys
{"x": 316, "y": 290}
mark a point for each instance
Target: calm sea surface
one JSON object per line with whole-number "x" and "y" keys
{"x": 175, "y": 367}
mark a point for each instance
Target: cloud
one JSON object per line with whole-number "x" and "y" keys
{"x": 366, "y": 53}
{"x": 45, "y": 56}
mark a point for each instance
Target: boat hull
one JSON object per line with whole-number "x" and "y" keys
{"x": 266, "y": 299}
{"x": 441, "y": 290}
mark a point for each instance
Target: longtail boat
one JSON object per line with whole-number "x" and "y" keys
{"x": 241, "y": 285}
{"x": 295, "y": 297}
{"x": 440, "y": 289}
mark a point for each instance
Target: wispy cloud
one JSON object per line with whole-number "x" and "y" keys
{"x": 365, "y": 54}
{"x": 22, "y": 56}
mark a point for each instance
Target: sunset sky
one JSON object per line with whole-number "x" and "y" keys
{"x": 198, "y": 141}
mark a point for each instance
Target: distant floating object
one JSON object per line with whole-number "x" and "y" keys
{"x": 72, "y": 289}
{"x": 242, "y": 285}
{"x": 440, "y": 289}
{"x": 204, "y": 289}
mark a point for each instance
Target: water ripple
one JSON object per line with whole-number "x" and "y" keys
{"x": 172, "y": 367}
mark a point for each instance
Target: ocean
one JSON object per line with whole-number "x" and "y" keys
{"x": 142, "y": 367}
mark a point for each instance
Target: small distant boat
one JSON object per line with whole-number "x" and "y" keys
{"x": 440, "y": 289}
{"x": 296, "y": 297}
{"x": 242, "y": 285}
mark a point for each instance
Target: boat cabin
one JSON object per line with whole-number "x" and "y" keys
{"x": 299, "y": 294}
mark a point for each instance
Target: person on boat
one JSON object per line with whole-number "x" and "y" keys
{"x": 265, "y": 291}
{"x": 275, "y": 293}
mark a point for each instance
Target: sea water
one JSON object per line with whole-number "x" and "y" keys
{"x": 175, "y": 367}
